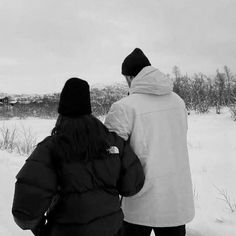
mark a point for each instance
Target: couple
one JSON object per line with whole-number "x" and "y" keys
{"x": 78, "y": 174}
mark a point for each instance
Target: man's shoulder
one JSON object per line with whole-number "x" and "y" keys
{"x": 177, "y": 98}
{"x": 125, "y": 102}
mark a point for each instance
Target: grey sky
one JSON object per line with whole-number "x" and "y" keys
{"x": 45, "y": 42}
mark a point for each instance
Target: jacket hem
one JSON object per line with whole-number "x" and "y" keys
{"x": 159, "y": 224}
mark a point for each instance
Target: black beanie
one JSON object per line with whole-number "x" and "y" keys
{"x": 75, "y": 98}
{"x": 134, "y": 63}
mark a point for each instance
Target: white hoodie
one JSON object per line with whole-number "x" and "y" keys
{"x": 154, "y": 119}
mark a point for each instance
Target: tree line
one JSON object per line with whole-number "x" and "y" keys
{"x": 199, "y": 92}
{"x": 46, "y": 106}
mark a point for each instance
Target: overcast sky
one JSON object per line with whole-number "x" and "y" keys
{"x": 45, "y": 42}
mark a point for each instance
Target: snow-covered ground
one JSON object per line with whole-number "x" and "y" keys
{"x": 212, "y": 149}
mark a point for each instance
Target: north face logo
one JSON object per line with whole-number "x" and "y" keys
{"x": 113, "y": 150}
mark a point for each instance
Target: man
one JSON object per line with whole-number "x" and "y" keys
{"x": 154, "y": 120}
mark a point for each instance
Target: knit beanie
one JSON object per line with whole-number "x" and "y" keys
{"x": 134, "y": 63}
{"x": 75, "y": 98}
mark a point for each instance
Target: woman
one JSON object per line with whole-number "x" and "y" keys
{"x": 70, "y": 184}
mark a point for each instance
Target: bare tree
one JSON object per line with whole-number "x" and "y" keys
{"x": 176, "y": 72}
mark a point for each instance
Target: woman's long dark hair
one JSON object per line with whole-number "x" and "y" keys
{"x": 82, "y": 138}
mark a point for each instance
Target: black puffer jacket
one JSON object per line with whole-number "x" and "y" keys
{"x": 87, "y": 193}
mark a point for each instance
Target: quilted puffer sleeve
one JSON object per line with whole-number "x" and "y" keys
{"x": 132, "y": 176}
{"x": 35, "y": 187}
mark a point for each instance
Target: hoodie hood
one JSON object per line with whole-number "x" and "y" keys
{"x": 151, "y": 81}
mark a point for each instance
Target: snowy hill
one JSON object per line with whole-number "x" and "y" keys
{"x": 212, "y": 150}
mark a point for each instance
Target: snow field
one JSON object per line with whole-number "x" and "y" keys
{"x": 212, "y": 151}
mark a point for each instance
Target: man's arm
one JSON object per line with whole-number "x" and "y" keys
{"x": 119, "y": 120}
